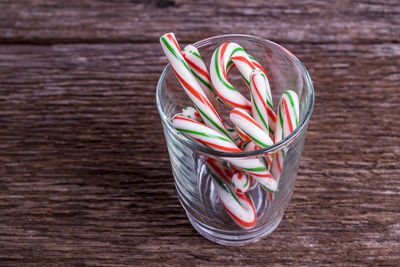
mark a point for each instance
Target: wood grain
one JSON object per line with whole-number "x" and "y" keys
{"x": 85, "y": 177}
{"x": 44, "y": 21}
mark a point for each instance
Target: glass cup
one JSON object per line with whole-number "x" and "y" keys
{"x": 193, "y": 182}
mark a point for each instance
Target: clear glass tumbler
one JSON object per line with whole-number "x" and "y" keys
{"x": 193, "y": 182}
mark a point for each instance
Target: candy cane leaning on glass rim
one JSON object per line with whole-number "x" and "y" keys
{"x": 219, "y": 78}
{"x": 240, "y": 207}
{"x": 199, "y": 69}
{"x": 190, "y": 84}
{"x": 203, "y": 134}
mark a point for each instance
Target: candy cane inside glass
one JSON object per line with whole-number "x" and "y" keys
{"x": 288, "y": 120}
{"x": 218, "y": 71}
{"x": 199, "y": 69}
{"x": 238, "y": 206}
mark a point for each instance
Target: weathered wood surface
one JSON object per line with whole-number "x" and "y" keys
{"x": 144, "y": 21}
{"x": 84, "y": 173}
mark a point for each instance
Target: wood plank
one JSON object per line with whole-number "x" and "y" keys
{"x": 85, "y": 180}
{"x": 93, "y": 21}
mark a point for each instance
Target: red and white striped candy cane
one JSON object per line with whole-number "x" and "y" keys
{"x": 205, "y": 135}
{"x": 196, "y": 64}
{"x": 243, "y": 121}
{"x": 240, "y": 207}
{"x": 288, "y": 120}
{"x": 190, "y": 84}
{"x": 289, "y": 116}
{"x": 219, "y": 78}
{"x": 253, "y": 130}
{"x": 265, "y": 92}
{"x": 261, "y": 101}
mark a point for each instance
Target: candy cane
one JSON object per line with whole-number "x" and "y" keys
{"x": 243, "y": 121}
{"x": 205, "y": 135}
{"x": 288, "y": 120}
{"x": 224, "y": 89}
{"x": 190, "y": 84}
{"x": 239, "y": 206}
{"x": 249, "y": 126}
{"x": 191, "y": 113}
{"x": 289, "y": 116}
{"x": 199, "y": 70}
{"x": 230, "y": 65}
{"x": 261, "y": 101}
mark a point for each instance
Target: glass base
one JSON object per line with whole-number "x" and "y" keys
{"x": 233, "y": 240}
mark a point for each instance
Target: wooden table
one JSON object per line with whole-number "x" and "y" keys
{"x": 85, "y": 177}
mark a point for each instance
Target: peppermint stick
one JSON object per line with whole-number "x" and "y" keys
{"x": 190, "y": 84}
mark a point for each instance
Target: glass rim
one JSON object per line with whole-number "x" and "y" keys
{"x": 193, "y": 145}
